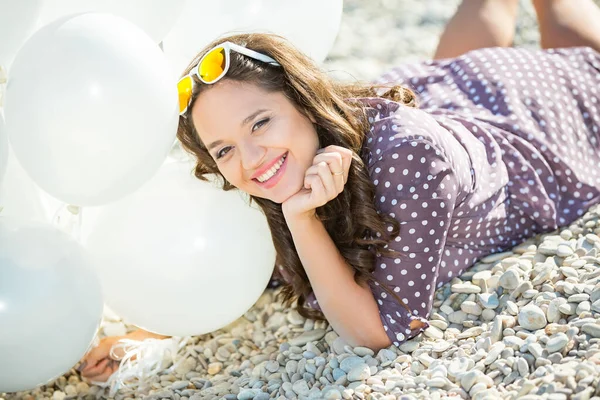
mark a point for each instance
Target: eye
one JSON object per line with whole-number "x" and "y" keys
{"x": 260, "y": 123}
{"x": 223, "y": 152}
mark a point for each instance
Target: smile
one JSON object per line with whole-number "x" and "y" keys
{"x": 272, "y": 177}
{"x": 271, "y": 172}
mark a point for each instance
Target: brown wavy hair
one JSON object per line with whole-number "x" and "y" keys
{"x": 351, "y": 219}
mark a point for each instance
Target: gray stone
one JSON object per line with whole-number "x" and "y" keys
{"x": 509, "y": 279}
{"x": 247, "y": 394}
{"x": 489, "y": 300}
{"x": 301, "y": 387}
{"x": 557, "y": 343}
{"x": 592, "y": 330}
{"x": 359, "y": 372}
{"x": 331, "y": 393}
{"x": 338, "y": 373}
{"x": 308, "y": 336}
{"x": 363, "y": 351}
{"x": 350, "y": 362}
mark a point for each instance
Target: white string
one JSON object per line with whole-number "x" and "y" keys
{"x": 141, "y": 361}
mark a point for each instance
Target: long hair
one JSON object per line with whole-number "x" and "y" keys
{"x": 359, "y": 232}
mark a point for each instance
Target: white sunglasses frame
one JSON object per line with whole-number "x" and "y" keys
{"x": 227, "y": 47}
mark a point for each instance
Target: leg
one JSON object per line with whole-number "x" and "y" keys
{"x": 568, "y": 23}
{"x": 477, "y": 24}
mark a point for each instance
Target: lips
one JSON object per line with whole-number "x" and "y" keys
{"x": 267, "y": 167}
{"x": 276, "y": 177}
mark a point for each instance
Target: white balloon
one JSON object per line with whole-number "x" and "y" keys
{"x": 198, "y": 25}
{"x": 180, "y": 256}
{"x": 17, "y": 22}
{"x": 50, "y": 304}
{"x": 311, "y": 25}
{"x": 97, "y": 117}
{"x": 155, "y": 17}
{"x": 20, "y": 197}
{"x": 3, "y": 148}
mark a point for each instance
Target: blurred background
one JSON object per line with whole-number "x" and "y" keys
{"x": 376, "y": 35}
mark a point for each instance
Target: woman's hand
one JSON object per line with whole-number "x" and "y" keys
{"x": 323, "y": 181}
{"x": 99, "y": 364}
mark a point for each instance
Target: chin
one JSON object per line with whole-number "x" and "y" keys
{"x": 282, "y": 199}
{"x": 281, "y": 196}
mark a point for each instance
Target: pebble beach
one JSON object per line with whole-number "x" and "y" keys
{"x": 521, "y": 324}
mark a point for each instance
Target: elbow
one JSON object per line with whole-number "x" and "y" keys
{"x": 380, "y": 343}
{"x": 372, "y": 340}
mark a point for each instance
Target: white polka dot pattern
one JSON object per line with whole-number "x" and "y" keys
{"x": 504, "y": 145}
{"x": 424, "y": 193}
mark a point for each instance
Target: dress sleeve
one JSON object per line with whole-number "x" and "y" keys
{"x": 417, "y": 185}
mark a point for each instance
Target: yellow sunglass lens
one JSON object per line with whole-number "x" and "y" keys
{"x": 212, "y": 65}
{"x": 184, "y": 88}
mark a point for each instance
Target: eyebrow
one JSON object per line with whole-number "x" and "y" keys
{"x": 244, "y": 122}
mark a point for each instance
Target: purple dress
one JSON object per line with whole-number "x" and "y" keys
{"x": 504, "y": 145}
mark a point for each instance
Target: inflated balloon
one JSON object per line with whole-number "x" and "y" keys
{"x": 311, "y": 25}
{"x": 290, "y": 19}
{"x": 50, "y": 304}
{"x": 20, "y": 197}
{"x": 3, "y": 149}
{"x": 17, "y": 22}
{"x": 91, "y": 108}
{"x": 197, "y": 26}
{"x": 180, "y": 256}
{"x": 155, "y": 17}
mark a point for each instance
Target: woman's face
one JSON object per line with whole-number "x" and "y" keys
{"x": 261, "y": 143}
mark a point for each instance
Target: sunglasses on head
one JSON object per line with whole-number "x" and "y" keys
{"x": 212, "y": 67}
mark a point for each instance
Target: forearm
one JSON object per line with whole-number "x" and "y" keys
{"x": 141, "y": 334}
{"x": 350, "y": 308}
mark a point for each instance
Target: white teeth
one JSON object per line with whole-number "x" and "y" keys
{"x": 269, "y": 174}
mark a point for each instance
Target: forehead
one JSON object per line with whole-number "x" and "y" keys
{"x": 224, "y": 106}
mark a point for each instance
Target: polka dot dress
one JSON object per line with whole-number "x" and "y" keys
{"x": 504, "y": 145}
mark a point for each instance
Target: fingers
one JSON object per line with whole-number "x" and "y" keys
{"x": 338, "y": 158}
{"x": 318, "y": 193}
{"x": 92, "y": 371}
{"x": 92, "y": 361}
{"x": 332, "y": 166}
{"x": 102, "y": 375}
{"x": 323, "y": 181}
{"x": 322, "y": 172}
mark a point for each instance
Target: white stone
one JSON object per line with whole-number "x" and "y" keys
{"x": 531, "y": 317}
{"x": 557, "y": 343}
{"x": 509, "y": 279}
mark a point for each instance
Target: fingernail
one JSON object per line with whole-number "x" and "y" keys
{"x": 82, "y": 366}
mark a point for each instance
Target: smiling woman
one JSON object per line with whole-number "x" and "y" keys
{"x": 374, "y": 203}
{"x": 290, "y": 137}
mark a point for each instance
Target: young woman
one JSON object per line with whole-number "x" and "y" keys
{"x": 377, "y": 196}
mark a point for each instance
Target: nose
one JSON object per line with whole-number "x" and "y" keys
{"x": 252, "y": 155}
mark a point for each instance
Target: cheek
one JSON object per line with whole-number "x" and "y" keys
{"x": 306, "y": 147}
{"x": 233, "y": 175}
